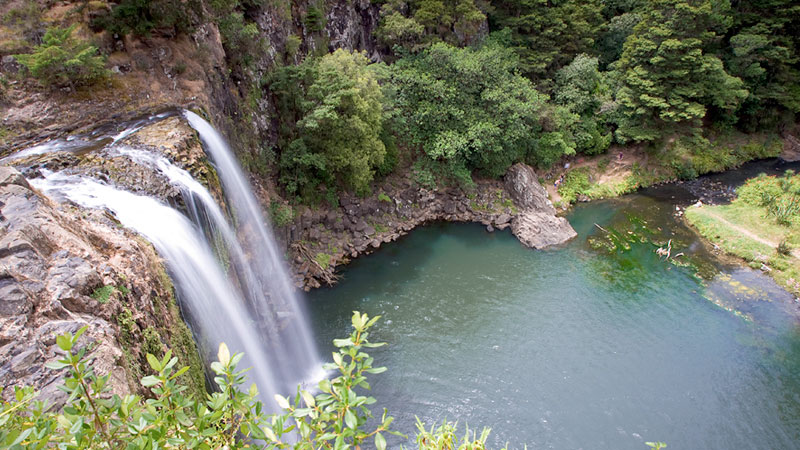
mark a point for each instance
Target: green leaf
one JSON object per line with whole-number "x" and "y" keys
{"x": 376, "y": 370}
{"x": 380, "y": 442}
{"x": 342, "y": 342}
{"x": 64, "y": 342}
{"x": 150, "y": 380}
{"x": 350, "y": 419}
{"x": 308, "y": 398}
{"x": 56, "y": 365}
{"x": 282, "y": 402}
{"x": 80, "y": 333}
{"x": 154, "y": 362}
{"x": 223, "y": 355}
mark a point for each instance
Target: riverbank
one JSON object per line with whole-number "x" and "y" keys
{"x": 320, "y": 240}
{"x": 761, "y": 227}
{"x": 623, "y": 170}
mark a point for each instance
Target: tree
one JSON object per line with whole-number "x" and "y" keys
{"x": 546, "y": 34}
{"x": 63, "y": 59}
{"x": 582, "y": 88}
{"x": 416, "y": 24}
{"x": 468, "y": 109}
{"x": 667, "y": 79}
{"x": 762, "y": 51}
{"x": 331, "y": 110}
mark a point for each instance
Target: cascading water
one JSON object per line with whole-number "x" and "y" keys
{"x": 297, "y": 352}
{"x": 232, "y": 284}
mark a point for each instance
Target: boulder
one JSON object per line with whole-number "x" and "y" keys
{"x": 539, "y": 230}
{"x": 523, "y": 185}
{"x": 537, "y": 225}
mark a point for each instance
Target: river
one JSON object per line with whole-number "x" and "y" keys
{"x": 600, "y": 344}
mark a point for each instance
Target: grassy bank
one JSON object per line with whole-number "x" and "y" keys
{"x": 762, "y": 226}
{"x": 624, "y": 170}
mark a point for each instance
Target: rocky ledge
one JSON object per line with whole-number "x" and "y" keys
{"x": 64, "y": 267}
{"x": 322, "y": 239}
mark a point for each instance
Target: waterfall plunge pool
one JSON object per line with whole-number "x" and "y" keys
{"x": 600, "y": 344}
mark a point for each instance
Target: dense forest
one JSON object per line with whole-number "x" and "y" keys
{"x": 469, "y": 87}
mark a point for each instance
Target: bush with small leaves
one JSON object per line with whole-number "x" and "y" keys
{"x": 338, "y": 417}
{"x": 63, "y": 59}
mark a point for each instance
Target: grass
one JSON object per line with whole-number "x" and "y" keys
{"x": 323, "y": 259}
{"x": 749, "y": 229}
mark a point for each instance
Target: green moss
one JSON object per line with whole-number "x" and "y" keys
{"x": 384, "y": 198}
{"x": 103, "y": 293}
{"x": 323, "y": 259}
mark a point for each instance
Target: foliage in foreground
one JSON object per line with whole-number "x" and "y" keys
{"x": 64, "y": 59}
{"x": 335, "y": 418}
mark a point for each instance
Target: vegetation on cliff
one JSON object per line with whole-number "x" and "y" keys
{"x": 473, "y": 85}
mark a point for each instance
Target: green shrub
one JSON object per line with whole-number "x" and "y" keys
{"x": 103, "y": 293}
{"x": 468, "y": 109}
{"x": 314, "y": 19}
{"x": 779, "y": 195}
{"x": 63, "y": 59}
{"x": 576, "y": 182}
{"x": 337, "y": 417}
{"x": 281, "y": 214}
{"x": 332, "y": 122}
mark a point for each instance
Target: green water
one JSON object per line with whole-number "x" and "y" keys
{"x": 598, "y": 345}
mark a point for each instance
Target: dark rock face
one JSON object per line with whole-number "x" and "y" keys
{"x": 350, "y": 25}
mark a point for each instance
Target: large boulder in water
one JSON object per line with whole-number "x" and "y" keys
{"x": 536, "y": 225}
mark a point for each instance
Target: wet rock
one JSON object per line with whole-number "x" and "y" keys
{"x": 490, "y": 228}
{"x": 49, "y": 260}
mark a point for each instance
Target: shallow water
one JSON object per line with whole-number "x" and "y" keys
{"x": 599, "y": 344}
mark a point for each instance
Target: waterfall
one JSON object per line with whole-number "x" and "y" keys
{"x": 231, "y": 281}
{"x": 296, "y": 352}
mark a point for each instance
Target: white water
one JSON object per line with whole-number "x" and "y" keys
{"x": 296, "y": 352}
{"x": 231, "y": 282}
{"x": 208, "y": 296}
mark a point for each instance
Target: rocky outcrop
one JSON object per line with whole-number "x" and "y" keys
{"x": 537, "y": 225}
{"x": 321, "y": 239}
{"x": 791, "y": 149}
{"x": 62, "y": 268}
{"x": 351, "y": 24}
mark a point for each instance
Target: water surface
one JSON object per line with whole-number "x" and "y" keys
{"x": 598, "y": 345}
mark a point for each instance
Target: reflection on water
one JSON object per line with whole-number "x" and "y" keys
{"x": 602, "y": 344}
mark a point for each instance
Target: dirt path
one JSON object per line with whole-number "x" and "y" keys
{"x": 746, "y": 232}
